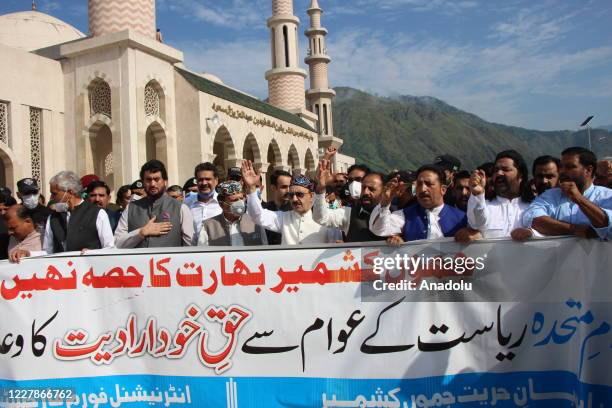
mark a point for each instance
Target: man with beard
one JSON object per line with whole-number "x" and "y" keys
{"x": 207, "y": 205}
{"x": 297, "y": 225}
{"x": 98, "y": 193}
{"x": 577, "y": 207}
{"x": 353, "y": 221}
{"x": 156, "y": 220}
{"x": 545, "y": 173}
{"x": 429, "y": 218}
{"x": 280, "y": 180}
{"x": 459, "y": 192}
{"x": 499, "y": 217}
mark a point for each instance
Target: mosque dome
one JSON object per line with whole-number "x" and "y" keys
{"x": 31, "y": 30}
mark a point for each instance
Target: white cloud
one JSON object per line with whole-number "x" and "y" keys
{"x": 236, "y": 14}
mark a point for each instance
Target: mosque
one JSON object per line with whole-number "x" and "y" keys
{"x": 106, "y": 102}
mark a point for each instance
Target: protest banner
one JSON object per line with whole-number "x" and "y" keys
{"x": 428, "y": 324}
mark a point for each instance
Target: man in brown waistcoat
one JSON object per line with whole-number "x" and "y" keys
{"x": 233, "y": 227}
{"x": 157, "y": 220}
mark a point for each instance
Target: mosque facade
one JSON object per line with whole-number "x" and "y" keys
{"x": 106, "y": 102}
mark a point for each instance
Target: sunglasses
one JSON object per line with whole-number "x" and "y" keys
{"x": 298, "y": 195}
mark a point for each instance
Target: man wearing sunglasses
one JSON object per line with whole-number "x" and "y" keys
{"x": 297, "y": 225}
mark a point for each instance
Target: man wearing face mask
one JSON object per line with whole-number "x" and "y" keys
{"x": 207, "y": 204}
{"x": 351, "y": 192}
{"x": 138, "y": 190}
{"x": 156, "y": 221}
{"x": 297, "y": 225}
{"x": 430, "y": 218}
{"x": 29, "y": 193}
{"x": 190, "y": 191}
{"x": 353, "y": 221}
{"x": 233, "y": 227}
{"x": 77, "y": 224}
{"x": 577, "y": 206}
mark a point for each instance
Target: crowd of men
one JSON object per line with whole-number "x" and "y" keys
{"x": 570, "y": 195}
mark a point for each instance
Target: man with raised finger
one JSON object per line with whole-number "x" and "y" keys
{"x": 296, "y": 226}
{"x": 429, "y": 218}
{"x": 156, "y": 220}
{"x": 353, "y": 221}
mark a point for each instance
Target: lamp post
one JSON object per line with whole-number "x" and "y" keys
{"x": 586, "y": 123}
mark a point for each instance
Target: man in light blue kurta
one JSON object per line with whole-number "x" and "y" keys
{"x": 577, "y": 207}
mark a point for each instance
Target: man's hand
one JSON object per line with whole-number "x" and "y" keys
{"x": 467, "y": 235}
{"x": 570, "y": 190}
{"x": 249, "y": 176}
{"x": 16, "y": 256}
{"x": 324, "y": 175}
{"x": 329, "y": 153}
{"x": 395, "y": 240}
{"x": 478, "y": 181}
{"x": 155, "y": 229}
{"x": 521, "y": 234}
{"x": 391, "y": 190}
{"x": 584, "y": 231}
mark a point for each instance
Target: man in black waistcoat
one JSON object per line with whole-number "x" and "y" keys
{"x": 353, "y": 221}
{"x": 156, "y": 220}
{"x": 76, "y": 224}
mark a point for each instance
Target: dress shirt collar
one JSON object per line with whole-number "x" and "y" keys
{"x": 436, "y": 210}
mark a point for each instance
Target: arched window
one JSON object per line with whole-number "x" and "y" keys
{"x": 100, "y": 98}
{"x": 326, "y": 127}
{"x": 151, "y": 100}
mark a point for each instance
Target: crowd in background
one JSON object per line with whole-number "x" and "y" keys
{"x": 566, "y": 195}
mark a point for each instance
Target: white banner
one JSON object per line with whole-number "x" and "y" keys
{"x": 428, "y": 324}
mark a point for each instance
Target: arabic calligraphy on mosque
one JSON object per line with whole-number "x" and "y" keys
{"x": 264, "y": 122}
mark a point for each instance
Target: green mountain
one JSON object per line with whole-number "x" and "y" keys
{"x": 405, "y": 132}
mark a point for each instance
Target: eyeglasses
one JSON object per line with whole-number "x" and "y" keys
{"x": 298, "y": 195}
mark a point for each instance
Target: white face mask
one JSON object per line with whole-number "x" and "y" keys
{"x": 355, "y": 189}
{"x": 30, "y": 201}
{"x": 60, "y": 206}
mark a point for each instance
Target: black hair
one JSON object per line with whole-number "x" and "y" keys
{"x": 208, "y": 166}
{"x": 544, "y": 160}
{"x": 95, "y": 184}
{"x": 585, "y": 156}
{"x": 24, "y": 213}
{"x": 278, "y": 173}
{"x": 520, "y": 164}
{"x": 434, "y": 169}
{"x": 361, "y": 167}
{"x": 154, "y": 166}
{"x": 7, "y": 200}
{"x": 488, "y": 168}
{"x": 376, "y": 173}
{"x": 462, "y": 174}
{"x": 122, "y": 190}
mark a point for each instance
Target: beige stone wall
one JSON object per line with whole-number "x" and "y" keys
{"x": 287, "y": 91}
{"x": 318, "y": 76}
{"x": 110, "y": 16}
{"x": 31, "y": 81}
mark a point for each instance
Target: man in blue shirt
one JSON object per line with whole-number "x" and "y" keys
{"x": 577, "y": 206}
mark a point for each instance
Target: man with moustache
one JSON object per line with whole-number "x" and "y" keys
{"x": 577, "y": 206}
{"x": 603, "y": 174}
{"x": 207, "y": 204}
{"x": 429, "y": 218}
{"x": 156, "y": 220}
{"x": 353, "y": 221}
{"x": 501, "y": 216}
{"x": 545, "y": 173}
{"x": 458, "y": 193}
{"x": 296, "y": 226}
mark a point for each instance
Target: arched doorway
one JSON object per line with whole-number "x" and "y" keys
{"x": 293, "y": 159}
{"x": 223, "y": 149}
{"x": 6, "y": 169}
{"x": 274, "y": 158}
{"x": 310, "y": 164}
{"x": 101, "y": 141}
{"x": 156, "y": 143}
{"x": 250, "y": 150}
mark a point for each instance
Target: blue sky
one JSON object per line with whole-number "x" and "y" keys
{"x": 544, "y": 64}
